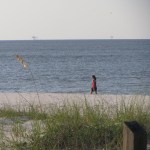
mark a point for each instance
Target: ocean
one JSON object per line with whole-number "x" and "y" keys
{"x": 66, "y": 66}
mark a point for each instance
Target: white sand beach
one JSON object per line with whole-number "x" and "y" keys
{"x": 46, "y": 99}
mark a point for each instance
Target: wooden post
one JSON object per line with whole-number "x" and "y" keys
{"x": 134, "y": 136}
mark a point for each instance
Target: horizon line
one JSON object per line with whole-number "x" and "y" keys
{"x": 75, "y": 39}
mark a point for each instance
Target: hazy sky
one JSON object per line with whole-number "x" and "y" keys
{"x": 74, "y": 19}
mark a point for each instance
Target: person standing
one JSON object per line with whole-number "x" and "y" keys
{"x": 94, "y": 86}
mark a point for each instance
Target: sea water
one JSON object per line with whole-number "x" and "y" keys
{"x": 121, "y": 66}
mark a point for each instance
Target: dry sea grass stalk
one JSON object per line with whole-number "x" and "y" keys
{"x": 22, "y": 61}
{"x": 26, "y": 66}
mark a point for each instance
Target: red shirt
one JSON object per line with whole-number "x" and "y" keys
{"x": 94, "y": 84}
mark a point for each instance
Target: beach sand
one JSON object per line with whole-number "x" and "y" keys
{"x": 47, "y": 99}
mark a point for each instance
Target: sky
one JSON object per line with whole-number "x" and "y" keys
{"x": 74, "y": 19}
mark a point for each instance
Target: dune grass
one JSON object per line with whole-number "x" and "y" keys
{"x": 73, "y": 126}
{"x": 32, "y": 113}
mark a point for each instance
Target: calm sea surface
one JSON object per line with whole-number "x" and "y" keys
{"x": 121, "y": 66}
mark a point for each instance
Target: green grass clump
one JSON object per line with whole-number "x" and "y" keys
{"x": 89, "y": 127}
{"x": 32, "y": 113}
{"x": 83, "y": 126}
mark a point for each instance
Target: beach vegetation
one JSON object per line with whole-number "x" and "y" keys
{"x": 72, "y": 125}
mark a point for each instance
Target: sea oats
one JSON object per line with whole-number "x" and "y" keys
{"x": 22, "y": 61}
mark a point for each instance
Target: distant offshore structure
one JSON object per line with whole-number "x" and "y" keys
{"x": 111, "y": 37}
{"x": 34, "y": 37}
